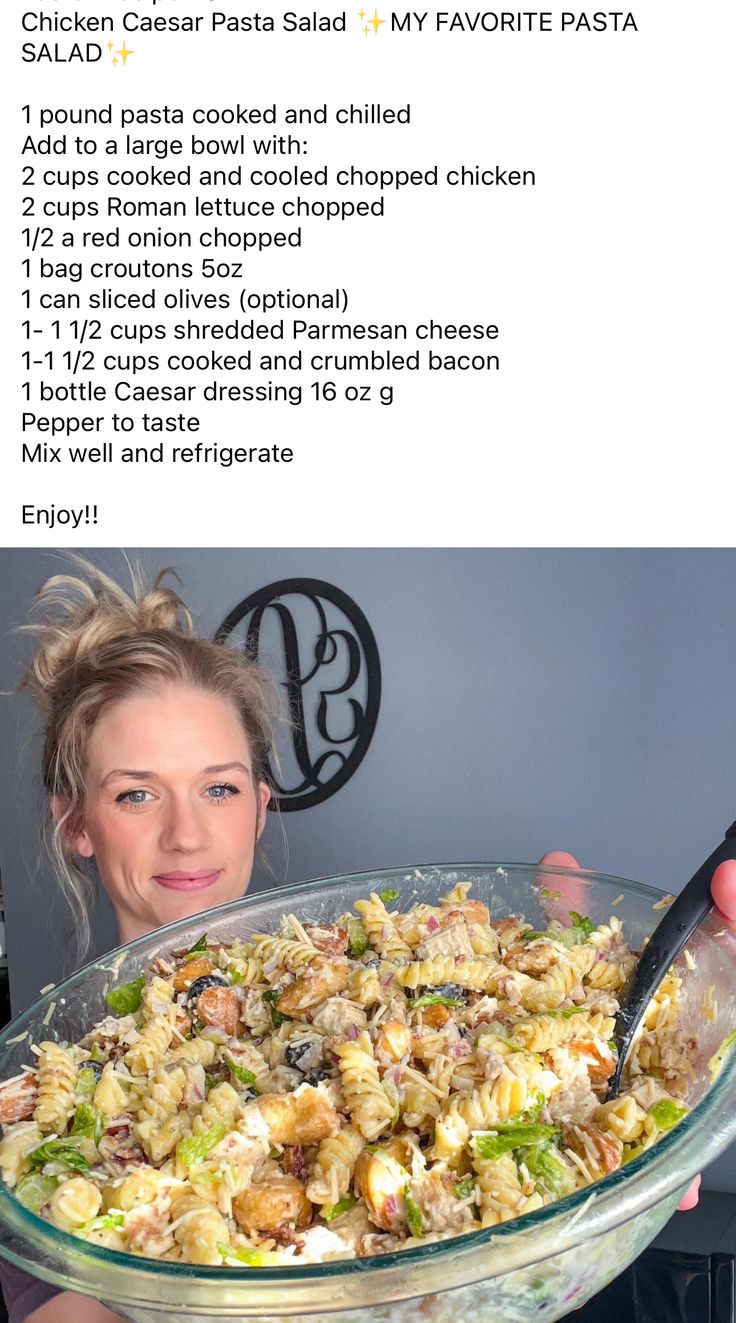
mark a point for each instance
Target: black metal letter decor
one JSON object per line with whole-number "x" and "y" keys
{"x": 316, "y": 640}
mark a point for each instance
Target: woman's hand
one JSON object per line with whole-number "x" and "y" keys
{"x": 723, "y": 888}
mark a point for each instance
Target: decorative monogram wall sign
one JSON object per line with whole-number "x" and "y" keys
{"x": 315, "y": 640}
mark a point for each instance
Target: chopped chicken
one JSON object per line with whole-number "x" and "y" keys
{"x": 575, "y": 1101}
{"x": 336, "y": 1016}
{"x": 648, "y": 1091}
{"x": 148, "y": 1227}
{"x": 450, "y": 941}
{"x": 273, "y": 1204}
{"x": 321, "y": 1244}
{"x": 255, "y": 1012}
{"x": 441, "y": 1209}
{"x": 533, "y": 958}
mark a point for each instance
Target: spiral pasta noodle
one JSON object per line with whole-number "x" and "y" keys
{"x": 366, "y": 1101}
{"x": 57, "y": 1077}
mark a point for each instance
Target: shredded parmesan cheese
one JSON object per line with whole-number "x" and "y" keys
{"x": 689, "y": 960}
{"x": 49, "y": 1014}
{"x": 709, "y": 1005}
{"x": 572, "y": 1155}
{"x": 301, "y": 934}
{"x": 19, "y": 1038}
{"x": 46, "y": 988}
{"x": 422, "y": 1081}
{"x": 618, "y": 899}
{"x": 664, "y": 903}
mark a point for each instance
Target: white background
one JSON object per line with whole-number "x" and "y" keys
{"x": 611, "y": 282}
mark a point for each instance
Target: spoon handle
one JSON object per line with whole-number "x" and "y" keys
{"x": 689, "y": 910}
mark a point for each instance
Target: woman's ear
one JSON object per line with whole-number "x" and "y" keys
{"x": 263, "y": 795}
{"x": 72, "y": 829}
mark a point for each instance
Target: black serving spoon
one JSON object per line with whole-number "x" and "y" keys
{"x": 687, "y": 912}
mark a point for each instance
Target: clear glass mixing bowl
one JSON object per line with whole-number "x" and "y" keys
{"x": 537, "y": 1267}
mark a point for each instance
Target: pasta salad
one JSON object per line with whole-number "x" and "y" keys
{"x": 337, "y": 1090}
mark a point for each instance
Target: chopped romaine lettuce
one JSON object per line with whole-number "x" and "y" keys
{"x": 530, "y": 1113}
{"x": 358, "y": 938}
{"x": 86, "y": 1082}
{"x": 337, "y": 1210}
{"x": 63, "y": 1151}
{"x": 580, "y": 921}
{"x": 105, "y": 1222}
{"x": 392, "y": 1093}
{"x": 666, "y": 1113}
{"x": 434, "y": 999}
{"x": 253, "y": 1258}
{"x": 715, "y": 1065}
{"x": 464, "y": 1188}
{"x": 35, "y": 1190}
{"x": 492, "y": 1144}
{"x": 388, "y": 894}
{"x": 199, "y": 947}
{"x": 548, "y": 1169}
{"x": 414, "y": 1218}
{"x": 195, "y": 1149}
{"x": 242, "y": 1075}
{"x": 87, "y": 1123}
{"x": 126, "y": 998}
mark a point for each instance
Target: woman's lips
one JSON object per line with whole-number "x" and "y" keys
{"x": 196, "y": 880}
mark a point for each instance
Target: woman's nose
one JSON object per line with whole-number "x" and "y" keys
{"x": 185, "y": 826}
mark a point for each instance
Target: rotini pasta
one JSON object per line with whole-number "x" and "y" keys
{"x": 346, "y": 1087}
{"x": 367, "y": 1102}
{"x": 56, "y": 1082}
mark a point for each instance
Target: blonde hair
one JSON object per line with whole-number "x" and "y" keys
{"x": 97, "y": 644}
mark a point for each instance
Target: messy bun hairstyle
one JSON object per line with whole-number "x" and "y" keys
{"x": 97, "y": 644}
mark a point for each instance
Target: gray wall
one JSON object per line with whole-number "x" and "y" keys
{"x": 532, "y": 700}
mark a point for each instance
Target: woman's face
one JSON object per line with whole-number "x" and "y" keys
{"x": 171, "y": 813}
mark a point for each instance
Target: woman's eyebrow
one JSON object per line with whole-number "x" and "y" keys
{"x": 130, "y": 773}
{"x": 133, "y": 774}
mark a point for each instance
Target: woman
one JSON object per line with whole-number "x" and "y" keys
{"x": 156, "y": 769}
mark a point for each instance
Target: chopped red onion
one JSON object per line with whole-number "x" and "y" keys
{"x": 391, "y": 1205}
{"x": 352, "y": 1032}
{"x": 432, "y": 924}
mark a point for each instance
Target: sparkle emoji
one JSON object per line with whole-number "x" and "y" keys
{"x": 124, "y": 53}
{"x": 376, "y": 21}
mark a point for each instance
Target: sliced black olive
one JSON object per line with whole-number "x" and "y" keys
{"x": 316, "y": 1075}
{"x": 452, "y": 990}
{"x": 96, "y": 1067}
{"x": 304, "y": 1055}
{"x": 201, "y": 984}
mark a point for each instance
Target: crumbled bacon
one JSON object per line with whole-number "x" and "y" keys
{"x": 327, "y": 937}
{"x": 18, "y": 1099}
{"x": 294, "y": 1162}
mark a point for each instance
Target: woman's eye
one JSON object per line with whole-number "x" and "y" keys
{"x": 134, "y": 797}
{"x": 220, "y": 792}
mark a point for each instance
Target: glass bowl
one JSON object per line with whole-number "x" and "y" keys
{"x": 539, "y": 1267}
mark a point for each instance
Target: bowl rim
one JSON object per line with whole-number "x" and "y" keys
{"x": 633, "y": 1175}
